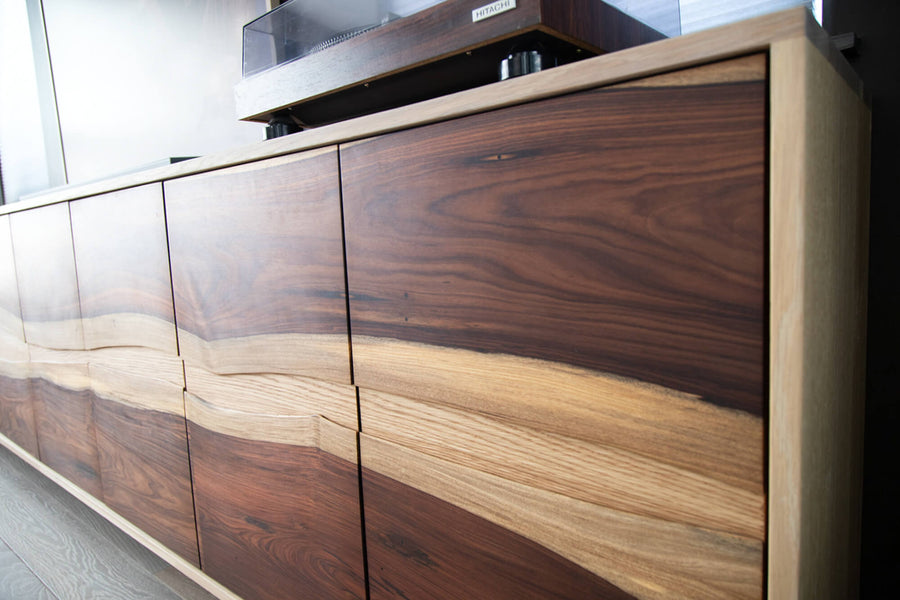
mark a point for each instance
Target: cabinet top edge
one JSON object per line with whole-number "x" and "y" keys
{"x": 728, "y": 41}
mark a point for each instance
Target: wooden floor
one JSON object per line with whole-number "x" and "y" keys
{"x": 53, "y": 547}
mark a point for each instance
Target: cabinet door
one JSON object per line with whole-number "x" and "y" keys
{"x": 45, "y": 271}
{"x": 51, "y": 314}
{"x": 582, "y": 276}
{"x": 277, "y": 503}
{"x": 258, "y": 274}
{"x": 122, "y": 261}
{"x": 16, "y": 412}
{"x": 136, "y": 377}
{"x": 258, "y": 269}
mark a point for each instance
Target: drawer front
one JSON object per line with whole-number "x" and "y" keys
{"x": 579, "y": 285}
{"x": 277, "y": 502}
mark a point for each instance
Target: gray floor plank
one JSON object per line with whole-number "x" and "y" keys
{"x": 17, "y": 582}
{"x": 74, "y": 551}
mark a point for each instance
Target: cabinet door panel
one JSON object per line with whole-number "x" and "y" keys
{"x": 143, "y": 456}
{"x": 45, "y": 271}
{"x": 558, "y": 320}
{"x": 620, "y": 230}
{"x": 277, "y": 503}
{"x": 17, "y": 412}
{"x": 257, "y": 266}
{"x": 122, "y": 260}
{"x": 66, "y": 435}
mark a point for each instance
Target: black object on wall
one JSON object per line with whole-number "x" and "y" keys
{"x": 875, "y": 57}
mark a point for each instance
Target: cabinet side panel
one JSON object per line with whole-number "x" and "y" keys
{"x": 820, "y": 151}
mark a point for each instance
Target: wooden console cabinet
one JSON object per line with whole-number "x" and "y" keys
{"x": 591, "y": 333}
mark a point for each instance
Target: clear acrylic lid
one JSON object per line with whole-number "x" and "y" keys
{"x": 298, "y": 28}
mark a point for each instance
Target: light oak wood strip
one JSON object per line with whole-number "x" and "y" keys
{"x": 747, "y": 68}
{"x": 275, "y": 394}
{"x": 13, "y": 348}
{"x": 582, "y": 470}
{"x": 650, "y": 59}
{"x": 185, "y": 567}
{"x": 122, "y": 261}
{"x": 130, "y": 330}
{"x": 644, "y": 557}
{"x": 66, "y": 369}
{"x": 45, "y": 272}
{"x": 139, "y": 377}
{"x": 15, "y": 369}
{"x": 630, "y": 415}
{"x": 819, "y": 239}
{"x": 310, "y": 431}
{"x": 323, "y": 356}
{"x": 10, "y": 311}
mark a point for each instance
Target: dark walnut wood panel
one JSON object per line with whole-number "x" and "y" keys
{"x": 646, "y": 557}
{"x": 45, "y": 271}
{"x": 277, "y": 520}
{"x": 257, "y": 267}
{"x": 17, "y": 413}
{"x": 620, "y": 230}
{"x": 122, "y": 261}
{"x": 145, "y": 472}
{"x": 64, "y": 421}
{"x": 419, "y": 546}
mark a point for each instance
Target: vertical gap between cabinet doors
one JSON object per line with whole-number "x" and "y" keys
{"x": 187, "y": 433}
{"x": 767, "y": 311}
{"x": 359, "y": 474}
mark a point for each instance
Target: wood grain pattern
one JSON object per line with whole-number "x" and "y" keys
{"x": 311, "y": 430}
{"x": 274, "y": 394}
{"x": 819, "y": 186}
{"x": 422, "y": 547}
{"x": 45, "y": 271}
{"x": 603, "y": 475}
{"x": 145, "y": 472}
{"x": 257, "y": 251}
{"x": 626, "y": 234}
{"x": 669, "y": 426}
{"x": 277, "y": 520}
{"x": 140, "y": 377}
{"x": 17, "y": 412}
{"x": 65, "y": 429}
{"x": 122, "y": 261}
{"x": 645, "y": 557}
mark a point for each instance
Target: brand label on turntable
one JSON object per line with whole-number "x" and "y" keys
{"x": 492, "y": 9}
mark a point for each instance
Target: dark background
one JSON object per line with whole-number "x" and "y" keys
{"x": 877, "y": 60}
